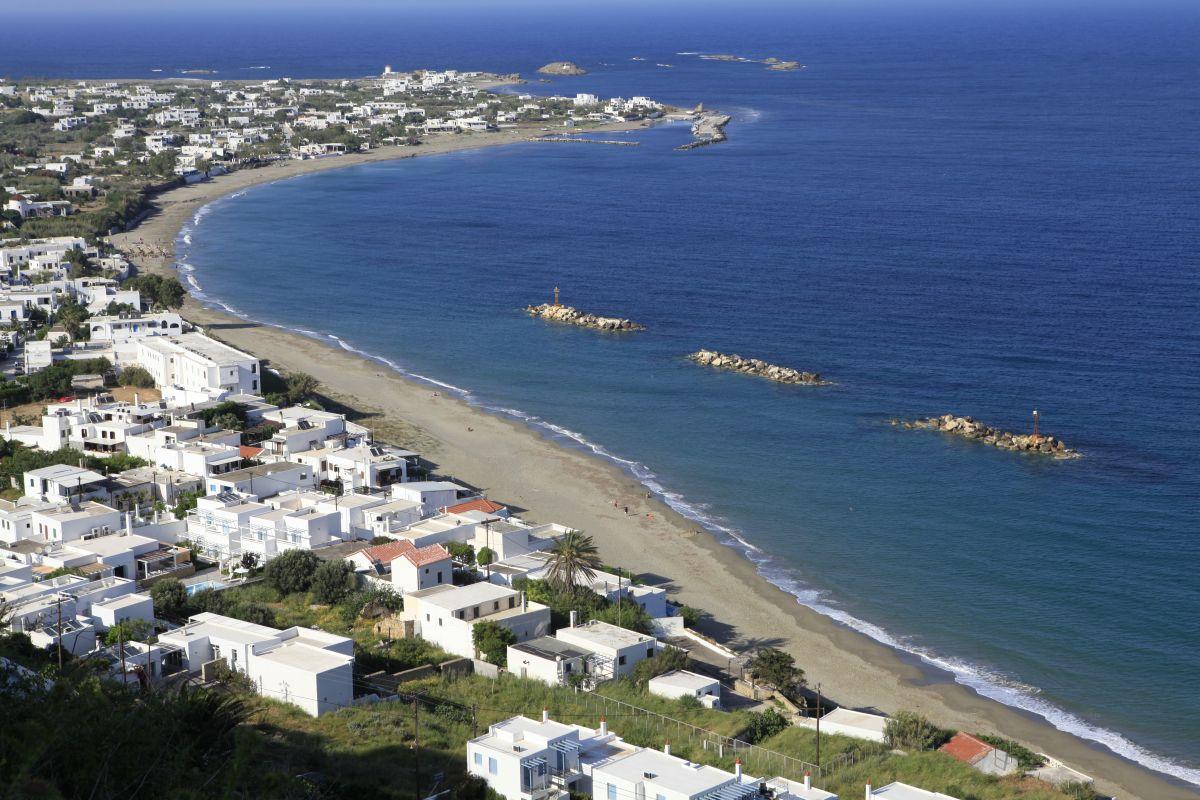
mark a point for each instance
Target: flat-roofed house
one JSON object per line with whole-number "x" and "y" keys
{"x": 308, "y": 668}
{"x": 547, "y": 659}
{"x": 681, "y": 683}
{"x": 616, "y": 650}
{"x": 446, "y": 615}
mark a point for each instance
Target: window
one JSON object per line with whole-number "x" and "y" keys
{"x": 479, "y": 759}
{"x": 493, "y": 767}
{"x": 621, "y": 660}
{"x": 660, "y": 797}
{"x": 649, "y": 652}
{"x": 612, "y": 791}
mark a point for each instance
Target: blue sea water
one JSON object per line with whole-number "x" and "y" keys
{"x": 982, "y": 210}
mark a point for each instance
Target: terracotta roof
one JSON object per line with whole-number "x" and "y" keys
{"x": 420, "y": 556}
{"x": 385, "y": 553}
{"x": 966, "y": 748}
{"x": 249, "y": 451}
{"x": 478, "y": 504}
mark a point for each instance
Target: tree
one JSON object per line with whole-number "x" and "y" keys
{"x": 185, "y": 502}
{"x": 574, "y": 556}
{"x": 170, "y": 598}
{"x": 332, "y": 581}
{"x": 485, "y": 556}
{"x": 773, "y": 666}
{"x": 461, "y": 551}
{"x": 249, "y": 561}
{"x": 491, "y": 641}
{"x": 228, "y": 422}
{"x": 292, "y": 571}
{"x": 764, "y": 725}
{"x": 129, "y": 630}
{"x": 137, "y": 377}
{"x": 907, "y": 729}
{"x": 300, "y": 387}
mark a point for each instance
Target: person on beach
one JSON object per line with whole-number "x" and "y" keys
{"x": 627, "y": 511}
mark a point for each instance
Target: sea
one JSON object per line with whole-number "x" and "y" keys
{"x": 972, "y": 208}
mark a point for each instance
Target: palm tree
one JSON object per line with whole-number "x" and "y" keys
{"x": 574, "y": 556}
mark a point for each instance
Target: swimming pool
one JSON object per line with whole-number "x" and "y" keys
{"x": 199, "y": 587}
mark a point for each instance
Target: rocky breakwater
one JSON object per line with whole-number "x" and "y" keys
{"x": 757, "y": 367}
{"x": 973, "y": 429}
{"x": 573, "y": 316}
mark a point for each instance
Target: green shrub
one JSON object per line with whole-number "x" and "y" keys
{"x": 136, "y": 376}
{"x": 332, "y": 582}
{"x": 292, "y": 571}
{"x": 909, "y": 730}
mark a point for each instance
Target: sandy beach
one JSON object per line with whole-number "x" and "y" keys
{"x": 546, "y": 481}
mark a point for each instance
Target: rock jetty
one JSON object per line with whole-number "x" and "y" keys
{"x": 573, "y": 316}
{"x": 562, "y": 68}
{"x": 755, "y": 366}
{"x": 785, "y": 66}
{"x": 973, "y": 429}
{"x": 708, "y": 127}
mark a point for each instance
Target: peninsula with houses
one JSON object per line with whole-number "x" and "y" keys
{"x": 235, "y": 562}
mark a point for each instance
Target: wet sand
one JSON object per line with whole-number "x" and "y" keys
{"x": 547, "y": 481}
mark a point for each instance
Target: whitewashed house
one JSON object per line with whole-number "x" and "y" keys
{"x": 308, "y": 668}
{"x": 446, "y": 615}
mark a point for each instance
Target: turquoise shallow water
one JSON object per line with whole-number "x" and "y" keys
{"x": 980, "y": 212}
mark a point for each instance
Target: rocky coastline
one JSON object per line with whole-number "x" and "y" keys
{"x": 568, "y": 315}
{"x": 756, "y": 367}
{"x": 562, "y": 68}
{"x": 708, "y": 127}
{"x": 973, "y": 429}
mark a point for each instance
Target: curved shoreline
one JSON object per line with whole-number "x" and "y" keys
{"x": 852, "y": 667}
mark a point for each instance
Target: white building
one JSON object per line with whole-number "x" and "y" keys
{"x": 123, "y": 328}
{"x": 263, "y": 480}
{"x": 446, "y": 615}
{"x": 546, "y": 659}
{"x": 62, "y": 483}
{"x": 409, "y": 568}
{"x": 311, "y": 669}
{"x": 432, "y": 495}
{"x": 526, "y": 759}
{"x": 681, "y": 683}
{"x": 615, "y": 650}
{"x": 847, "y": 722}
{"x": 192, "y": 367}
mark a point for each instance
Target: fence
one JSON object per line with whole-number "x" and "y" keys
{"x": 641, "y": 726}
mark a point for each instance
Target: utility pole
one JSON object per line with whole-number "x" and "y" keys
{"x": 58, "y": 603}
{"x": 818, "y": 724}
{"x": 124, "y": 675}
{"x": 416, "y": 749}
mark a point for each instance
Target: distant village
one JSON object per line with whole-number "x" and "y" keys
{"x": 158, "y": 484}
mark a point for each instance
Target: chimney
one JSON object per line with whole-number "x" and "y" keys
{"x": 574, "y": 618}
{"x": 524, "y": 602}
{"x": 545, "y": 714}
{"x": 868, "y": 794}
{"x": 667, "y": 747}
{"x": 807, "y": 779}
{"x": 603, "y": 726}
{"x": 135, "y": 399}
{"x": 737, "y": 771}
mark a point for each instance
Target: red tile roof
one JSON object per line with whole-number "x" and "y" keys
{"x": 385, "y": 553}
{"x": 420, "y": 556}
{"x": 249, "y": 451}
{"x": 966, "y": 748}
{"x": 478, "y": 504}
